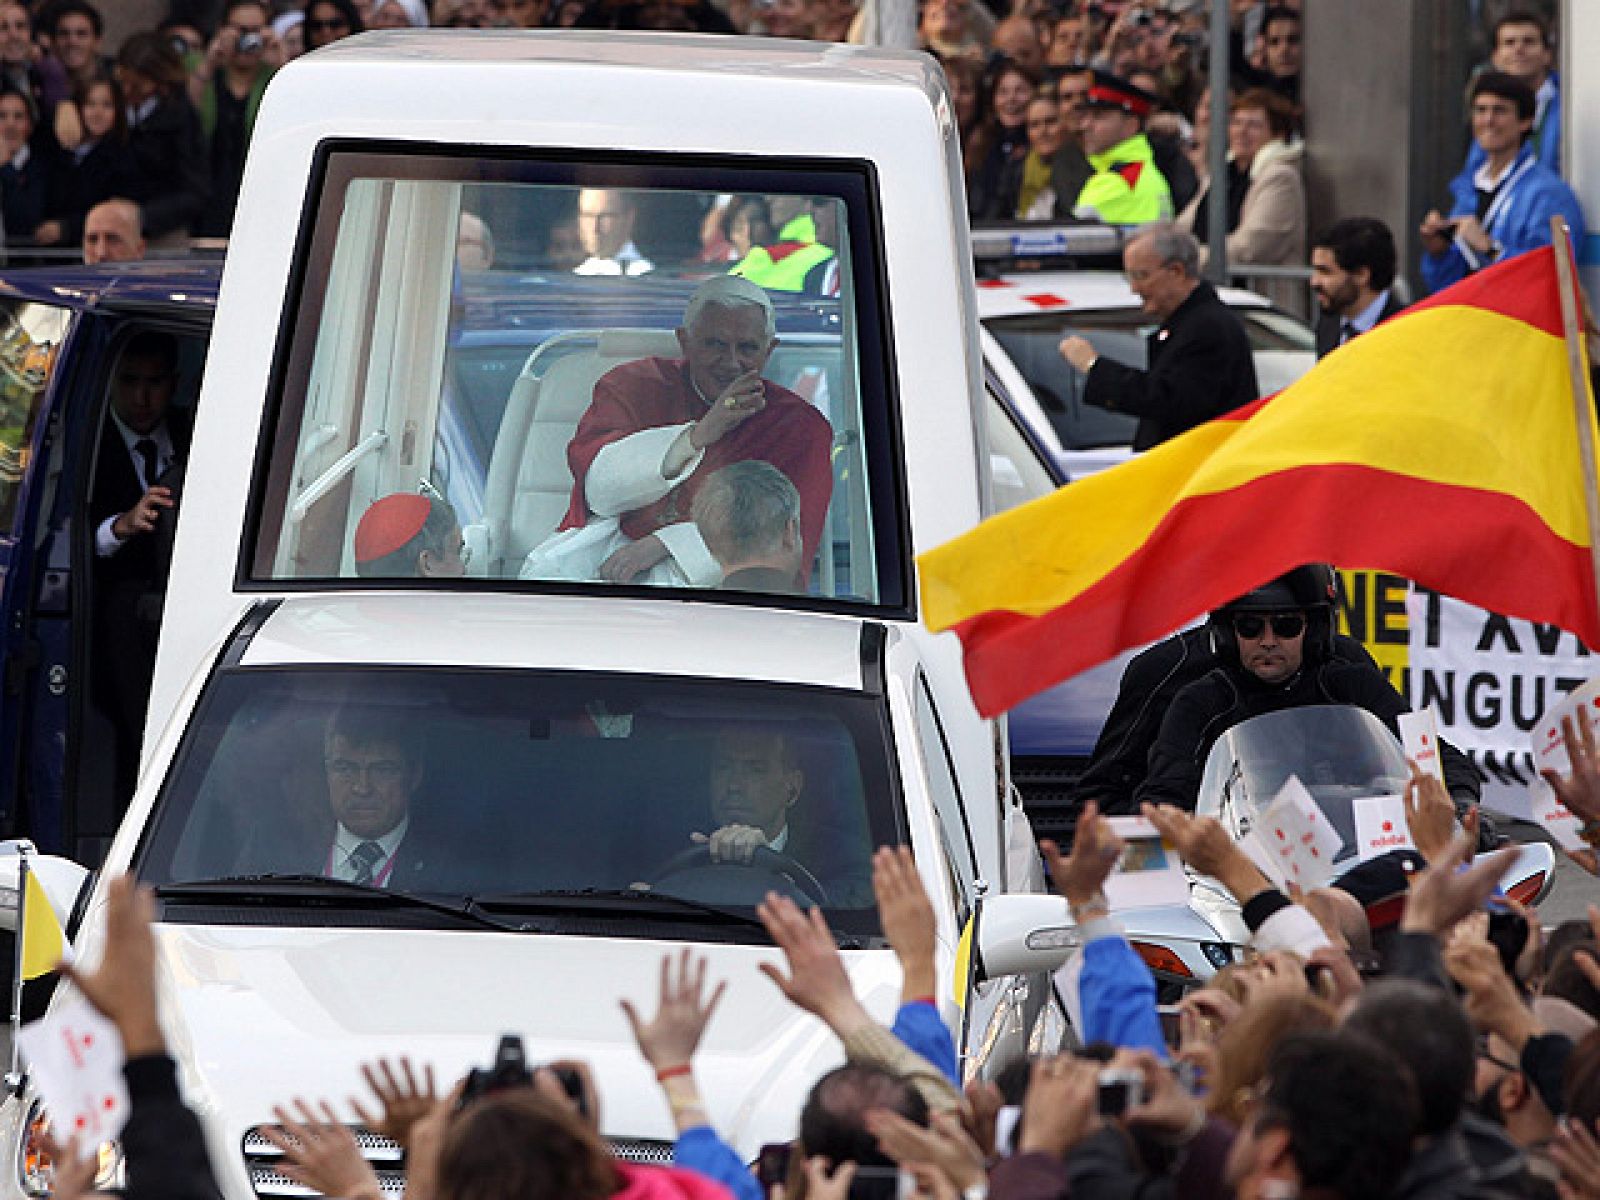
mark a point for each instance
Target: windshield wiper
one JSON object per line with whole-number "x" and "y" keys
{"x": 317, "y": 887}
{"x": 632, "y": 899}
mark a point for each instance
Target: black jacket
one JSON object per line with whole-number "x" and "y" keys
{"x": 1200, "y": 367}
{"x": 117, "y": 489}
{"x": 76, "y": 185}
{"x": 163, "y": 1143}
{"x": 170, "y": 154}
{"x": 1328, "y": 325}
{"x": 1229, "y": 695}
{"x": 1149, "y": 682}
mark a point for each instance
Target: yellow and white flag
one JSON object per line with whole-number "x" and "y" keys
{"x": 42, "y": 939}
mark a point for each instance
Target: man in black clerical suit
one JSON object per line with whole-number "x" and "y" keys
{"x": 1352, "y": 274}
{"x": 133, "y": 502}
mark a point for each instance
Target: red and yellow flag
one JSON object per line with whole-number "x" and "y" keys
{"x": 1441, "y": 446}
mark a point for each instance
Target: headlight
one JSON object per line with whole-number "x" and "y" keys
{"x": 37, "y": 1172}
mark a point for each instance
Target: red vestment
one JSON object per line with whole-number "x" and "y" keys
{"x": 789, "y": 433}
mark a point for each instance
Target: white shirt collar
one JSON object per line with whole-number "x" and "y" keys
{"x": 780, "y": 841}
{"x": 1484, "y": 182}
{"x": 345, "y": 843}
{"x": 21, "y": 157}
{"x": 137, "y": 115}
{"x": 160, "y": 435}
{"x": 1368, "y": 316}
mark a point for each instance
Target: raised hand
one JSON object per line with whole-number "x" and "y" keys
{"x": 405, "y": 1101}
{"x": 683, "y": 1009}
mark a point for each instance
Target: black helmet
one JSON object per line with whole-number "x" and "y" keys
{"x": 1312, "y": 588}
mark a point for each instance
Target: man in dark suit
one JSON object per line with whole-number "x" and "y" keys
{"x": 132, "y": 505}
{"x": 1200, "y": 365}
{"x": 374, "y": 776}
{"x": 748, "y": 515}
{"x": 1352, "y": 273}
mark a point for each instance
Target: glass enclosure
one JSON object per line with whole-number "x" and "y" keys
{"x": 30, "y": 335}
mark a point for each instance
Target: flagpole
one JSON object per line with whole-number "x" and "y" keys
{"x": 14, "y": 1075}
{"x": 1572, "y": 326}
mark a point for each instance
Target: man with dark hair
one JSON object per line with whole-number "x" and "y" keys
{"x": 1502, "y": 208}
{"x": 1521, "y": 46}
{"x": 226, "y": 88}
{"x": 1336, "y": 1119}
{"x": 1281, "y": 51}
{"x": 75, "y": 40}
{"x": 409, "y": 536}
{"x": 748, "y": 514}
{"x": 374, "y": 773}
{"x": 1200, "y": 364}
{"x": 1352, "y": 270}
{"x": 833, "y": 1123}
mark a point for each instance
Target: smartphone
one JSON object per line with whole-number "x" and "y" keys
{"x": 772, "y": 1164}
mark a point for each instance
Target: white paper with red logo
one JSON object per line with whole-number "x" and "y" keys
{"x": 1539, "y": 804}
{"x": 1292, "y": 841}
{"x": 74, "y": 1059}
{"x": 1381, "y": 826}
{"x": 1419, "y": 735}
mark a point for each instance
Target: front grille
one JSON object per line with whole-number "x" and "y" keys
{"x": 263, "y": 1160}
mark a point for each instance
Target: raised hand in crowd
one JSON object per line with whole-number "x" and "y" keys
{"x": 72, "y": 1172}
{"x": 1444, "y": 893}
{"x": 321, "y": 1153}
{"x": 1206, "y": 846}
{"x": 942, "y": 1145}
{"x": 981, "y": 1114}
{"x": 1492, "y": 1001}
{"x": 405, "y": 1099}
{"x": 1579, "y": 790}
{"x": 907, "y": 917}
{"x": 1060, "y": 1108}
{"x": 816, "y": 981}
{"x": 123, "y": 985}
{"x": 1576, "y": 1150}
{"x": 1081, "y": 876}
{"x": 1430, "y": 813}
{"x": 669, "y": 1039}
{"x": 1168, "y": 1109}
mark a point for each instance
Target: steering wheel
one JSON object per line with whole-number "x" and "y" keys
{"x": 764, "y": 858}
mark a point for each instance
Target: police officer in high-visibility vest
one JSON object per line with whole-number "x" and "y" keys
{"x": 1126, "y": 187}
{"x": 804, "y": 259}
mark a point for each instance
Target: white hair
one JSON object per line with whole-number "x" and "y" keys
{"x": 730, "y": 291}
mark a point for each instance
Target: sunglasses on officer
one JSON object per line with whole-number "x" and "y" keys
{"x": 1250, "y": 626}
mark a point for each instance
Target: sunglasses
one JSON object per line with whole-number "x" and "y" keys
{"x": 1285, "y": 625}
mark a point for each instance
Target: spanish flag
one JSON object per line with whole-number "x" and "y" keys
{"x": 42, "y": 939}
{"x": 1441, "y": 446}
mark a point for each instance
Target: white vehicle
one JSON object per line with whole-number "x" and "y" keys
{"x": 558, "y": 739}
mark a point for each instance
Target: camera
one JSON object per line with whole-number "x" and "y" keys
{"x": 1119, "y": 1091}
{"x": 1141, "y": 19}
{"x": 249, "y": 43}
{"x": 510, "y": 1070}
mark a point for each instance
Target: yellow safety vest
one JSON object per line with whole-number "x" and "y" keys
{"x": 1126, "y": 187}
{"x": 783, "y": 267}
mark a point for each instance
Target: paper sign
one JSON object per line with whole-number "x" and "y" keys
{"x": 1150, "y": 873}
{"x": 1298, "y": 837}
{"x": 1538, "y": 803}
{"x": 1419, "y": 734}
{"x": 75, "y": 1059}
{"x": 1381, "y": 826}
{"x": 1548, "y": 748}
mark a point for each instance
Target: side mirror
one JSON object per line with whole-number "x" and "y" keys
{"x": 1020, "y": 934}
{"x": 61, "y": 878}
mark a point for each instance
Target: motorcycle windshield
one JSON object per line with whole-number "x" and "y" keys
{"x": 1339, "y": 752}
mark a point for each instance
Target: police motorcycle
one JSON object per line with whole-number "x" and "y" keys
{"x": 1339, "y": 753}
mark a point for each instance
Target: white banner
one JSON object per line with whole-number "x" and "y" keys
{"x": 1489, "y": 678}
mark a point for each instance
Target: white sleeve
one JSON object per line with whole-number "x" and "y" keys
{"x": 1290, "y": 928}
{"x": 688, "y": 550}
{"x": 627, "y": 473}
{"x": 106, "y": 543}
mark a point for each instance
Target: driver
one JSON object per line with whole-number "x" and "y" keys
{"x": 1274, "y": 649}
{"x": 756, "y": 786}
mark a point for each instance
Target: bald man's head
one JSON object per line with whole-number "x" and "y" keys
{"x": 112, "y": 232}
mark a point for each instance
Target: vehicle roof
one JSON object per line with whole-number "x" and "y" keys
{"x": 697, "y": 54}
{"x": 182, "y": 283}
{"x": 1026, "y": 293}
{"x": 450, "y": 630}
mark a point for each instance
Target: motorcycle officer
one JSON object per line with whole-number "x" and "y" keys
{"x": 1275, "y": 650}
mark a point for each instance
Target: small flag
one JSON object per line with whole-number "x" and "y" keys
{"x": 42, "y": 940}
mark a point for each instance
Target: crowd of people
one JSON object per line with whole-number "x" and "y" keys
{"x": 1453, "y": 1053}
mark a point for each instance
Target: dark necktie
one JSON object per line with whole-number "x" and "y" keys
{"x": 1347, "y": 330}
{"x": 145, "y": 448}
{"x": 364, "y": 858}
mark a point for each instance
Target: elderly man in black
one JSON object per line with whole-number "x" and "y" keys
{"x": 1199, "y": 357}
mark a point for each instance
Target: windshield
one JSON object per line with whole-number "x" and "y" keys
{"x": 499, "y": 784}
{"x": 505, "y": 371}
{"x": 1284, "y": 350}
{"x": 1338, "y": 751}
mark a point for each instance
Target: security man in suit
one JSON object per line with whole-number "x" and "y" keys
{"x": 1352, "y": 274}
{"x": 1200, "y": 364}
{"x": 138, "y": 471}
{"x": 374, "y": 775}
